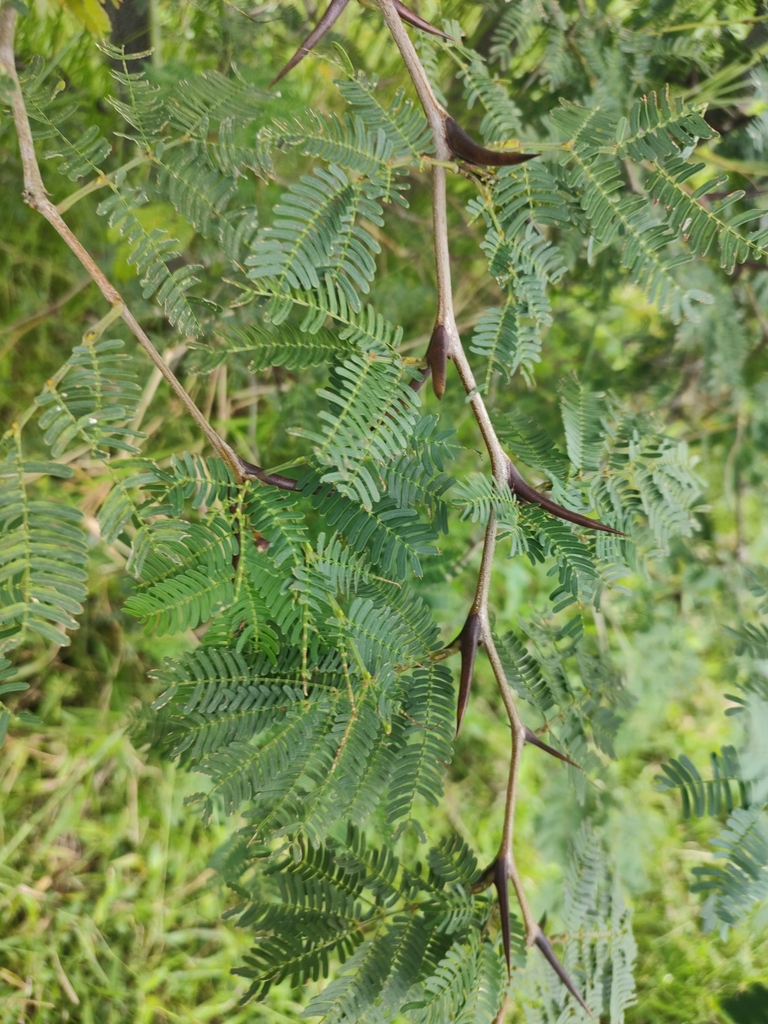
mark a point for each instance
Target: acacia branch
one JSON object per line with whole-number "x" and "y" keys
{"x": 36, "y": 196}
{"x": 446, "y": 322}
{"x": 450, "y": 140}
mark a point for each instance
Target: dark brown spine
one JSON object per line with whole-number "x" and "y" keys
{"x": 469, "y": 639}
{"x": 501, "y": 881}
{"x": 437, "y": 359}
{"x": 531, "y": 737}
{"x": 334, "y": 9}
{"x": 465, "y": 148}
{"x": 413, "y": 19}
{"x": 524, "y": 492}
{"x": 544, "y": 945}
{"x": 249, "y": 469}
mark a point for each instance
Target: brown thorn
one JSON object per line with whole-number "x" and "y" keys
{"x": 465, "y": 147}
{"x": 524, "y": 492}
{"x": 469, "y": 638}
{"x": 437, "y": 359}
{"x": 531, "y": 737}
{"x": 334, "y": 9}
{"x": 413, "y": 19}
{"x": 254, "y": 472}
{"x": 501, "y": 881}
{"x": 544, "y": 945}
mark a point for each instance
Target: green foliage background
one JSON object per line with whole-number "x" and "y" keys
{"x": 111, "y": 889}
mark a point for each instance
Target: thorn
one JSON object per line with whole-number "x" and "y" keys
{"x": 501, "y": 881}
{"x": 524, "y": 492}
{"x": 469, "y": 638}
{"x": 437, "y": 359}
{"x": 253, "y": 472}
{"x": 497, "y": 875}
{"x": 531, "y": 737}
{"x": 464, "y": 147}
{"x": 544, "y": 945}
{"x": 334, "y": 9}
{"x": 413, "y": 19}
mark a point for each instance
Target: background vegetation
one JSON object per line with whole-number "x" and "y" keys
{"x": 112, "y": 890}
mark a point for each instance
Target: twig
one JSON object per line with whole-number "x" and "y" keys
{"x": 36, "y": 196}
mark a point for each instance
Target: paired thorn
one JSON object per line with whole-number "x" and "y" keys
{"x": 524, "y": 492}
{"x": 469, "y": 640}
{"x": 437, "y": 359}
{"x": 465, "y": 148}
{"x": 497, "y": 874}
{"x": 328, "y": 20}
{"x": 531, "y": 737}
{"x": 545, "y": 946}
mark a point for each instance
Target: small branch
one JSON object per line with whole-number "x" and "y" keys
{"x": 36, "y": 196}
{"x": 103, "y": 180}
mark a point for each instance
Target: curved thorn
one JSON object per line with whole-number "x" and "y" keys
{"x": 531, "y": 737}
{"x": 544, "y": 945}
{"x": 469, "y": 638}
{"x": 524, "y": 492}
{"x": 413, "y": 19}
{"x": 334, "y": 9}
{"x": 465, "y": 147}
{"x": 437, "y": 359}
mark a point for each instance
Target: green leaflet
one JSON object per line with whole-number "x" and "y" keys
{"x": 600, "y": 950}
{"x": 42, "y": 558}
{"x": 733, "y": 887}
{"x": 316, "y": 237}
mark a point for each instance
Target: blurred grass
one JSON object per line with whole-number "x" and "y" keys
{"x": 109, "y": 911}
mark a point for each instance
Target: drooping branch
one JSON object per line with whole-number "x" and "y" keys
{"x": 36, "y": 196}
{"x": 446, "y": 344}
